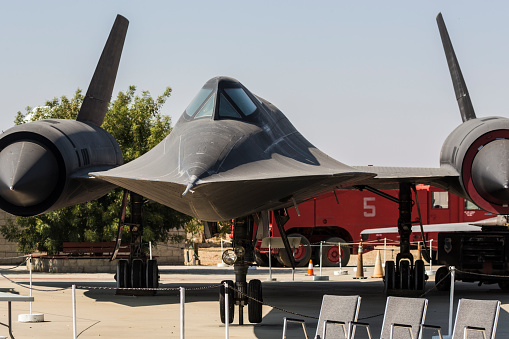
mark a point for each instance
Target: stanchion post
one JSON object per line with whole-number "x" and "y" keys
{"x": 226, "y": 311}
{"x": 74, "y": 328}
{"x": 182, "y": 312}
{"x": 430, "y": 254}
{"x": 385, "y": 251}
{"x": 30, "y": 267}
{"x": 270, "y": 260}
{"x": 321, "y": 254}
{"x": 451, "y": 299}
{"x": 150, "y": 249}
{"x": 340, "y": 257}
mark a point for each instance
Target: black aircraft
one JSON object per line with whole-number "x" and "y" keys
{"x": 234, "y": 155}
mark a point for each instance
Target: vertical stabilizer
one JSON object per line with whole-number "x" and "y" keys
{"x": 460, "y": 87}
{"x": 95, "y": 104}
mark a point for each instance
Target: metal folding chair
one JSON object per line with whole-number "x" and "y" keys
{"x": 403, "y": 318}
{"x": 475, "y": 319}
{"x": 336, "y": 317}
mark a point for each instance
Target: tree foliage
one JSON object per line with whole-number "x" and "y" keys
{"x": 136, "y": 122}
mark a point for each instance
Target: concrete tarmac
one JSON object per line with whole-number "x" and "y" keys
{"x": 103, "y": 314}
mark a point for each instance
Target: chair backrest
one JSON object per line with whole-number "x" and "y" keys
{"x": 406, "y": 311}
{"x": 477, "y": 313}
{"x": 337, "y": 308}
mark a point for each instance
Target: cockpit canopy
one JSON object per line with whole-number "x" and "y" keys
{"x": 222, "y": 98}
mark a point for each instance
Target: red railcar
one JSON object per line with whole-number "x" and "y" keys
{"x": 340, "y": 216}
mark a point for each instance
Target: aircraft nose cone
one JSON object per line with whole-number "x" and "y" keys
{"x": 28, "y": 173}
{"x": 490, "y": 172}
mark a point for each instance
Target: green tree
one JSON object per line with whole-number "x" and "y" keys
{"x": 136, "y": 122}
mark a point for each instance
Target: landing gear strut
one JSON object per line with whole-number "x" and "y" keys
{"x": 248, "y": 294}
{"x": 404, "y": 274}
{"x": 137, "y": 271}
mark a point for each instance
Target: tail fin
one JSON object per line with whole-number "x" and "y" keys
{"x": 460, "y": 87}
{"x": 95, "y": 104}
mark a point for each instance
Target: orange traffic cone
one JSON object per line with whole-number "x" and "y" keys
{"x": 378, "y": 272}
{"x": 360, "y": 266}
{"x": 310, "y": 268}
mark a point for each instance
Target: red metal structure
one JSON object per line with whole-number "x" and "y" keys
{"x": 340, "y": 216}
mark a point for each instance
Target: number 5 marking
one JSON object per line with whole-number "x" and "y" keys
{"x": 368, "y": 207}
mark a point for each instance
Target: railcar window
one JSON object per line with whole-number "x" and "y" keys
{"x": 440, "y": 200}
{"x": 471, "y": 206}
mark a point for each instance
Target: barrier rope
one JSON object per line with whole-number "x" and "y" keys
{"x": 482, "y": 274}
{"x": 147, "y": 288}
{"x": 264, "y": 303}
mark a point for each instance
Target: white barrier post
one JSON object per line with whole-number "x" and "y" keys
{"x": 30, "y": 265}
{"x": 226, "y": 311}
{"x": 74, "y": 329}
{"x": 430, "y": 272}
{"x": 321, "y": 254}
{"x": 182, "y": 311}
{"x": 385, "y": 251}
{"x": 451, "y": 300}
{"x": 150, "y": 249}
{"x": 270, "y": 260}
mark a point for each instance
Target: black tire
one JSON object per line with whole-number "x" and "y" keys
{"x": 262, "y": 259}
{"x": 504, "y": 285}
{"x": 304, "y": 253}
{"x": 255, "y": 308}
{"x": 137, "y": 273}
{"x": 390, "y": 276}
{"x": 231, "y": 301}
{"x": 425, "y": 255}
{"x": 443, "y": 279}
{"x": 123, "y": 277}
{"x": 405, "y": 279}
{"x": 152, "y": 274}
{"x": 330, "y": 254}
{"x": 419, "y": 275}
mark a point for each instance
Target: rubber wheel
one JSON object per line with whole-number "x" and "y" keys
{"x": 302, "y": 253}
{"x": 330, "y": 254}
{"x": 122, "y": 276}
{"x": 137, "y": 273}
{"x": 255, "y": 308}
{"x": 504, "y": 285}
{"x": 404, "y": 275}
{"x": 262, "y": 259}
{"x": 419, "y": 275}
{"x": 390, "y": 276}
{"x": 152, "y": 274}
{"x": 425, "y": 255}
{"x": 440, "y": 283}
{"x": 231, "y": 301}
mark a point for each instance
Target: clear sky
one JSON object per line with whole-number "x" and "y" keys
{"x": 364, "y": 81}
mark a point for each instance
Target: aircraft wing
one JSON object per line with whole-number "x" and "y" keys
{"x": 389, "y": 177}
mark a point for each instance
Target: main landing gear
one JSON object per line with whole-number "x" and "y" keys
{"x": 241, "y": 293}
{"x": 137, "y": 271}
{"x": 404, "y": 275}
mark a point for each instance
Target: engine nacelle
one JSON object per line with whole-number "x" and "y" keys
{"x": 479, "y": 150}
{"x": 44, "y": 165}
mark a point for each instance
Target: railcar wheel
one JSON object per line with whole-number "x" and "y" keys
{"x": 231, "y": 301}
{"x": 262, "y": 259}
{"x": 419, "y": 275}
{"x": 302, "y": 253}
{"x": 137, "y": 273}
{"x": 390, "y": 276}
{"x": 442, "y": 279}
{"x": 330, "y": 253}
{"x": 255, "y": 308}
